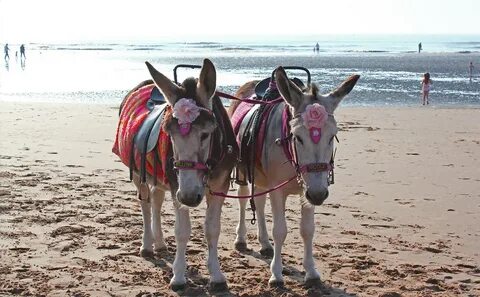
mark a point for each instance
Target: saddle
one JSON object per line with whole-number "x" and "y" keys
{"x": 146, "y": 139}
{"x": 252, "y": 129}
{"x": 156, "y": 98}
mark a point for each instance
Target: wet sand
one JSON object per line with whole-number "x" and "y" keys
{"x": 401, "y": 220}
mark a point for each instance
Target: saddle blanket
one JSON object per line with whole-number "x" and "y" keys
{"x": 237, "y": 119}
{"x": 133, "y": 114}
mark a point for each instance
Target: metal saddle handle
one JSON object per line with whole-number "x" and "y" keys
{"x": 309, "y": 76}
{"x": 190, "y": 66}
{"x": 262, "y": 86}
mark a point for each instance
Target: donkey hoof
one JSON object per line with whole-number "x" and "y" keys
{"x": 160, "y": 250}
{"x": 313, "y": 283}
{"x": 218, "y": 287}
{"x": 241, "y": 246}
{"x": 267, "y": 252}
{"x": 276, "y": 284}
{"x": 144, "y": 253}
{"x": 178, "y": 287}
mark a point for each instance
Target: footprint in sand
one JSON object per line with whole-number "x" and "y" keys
{"x": 376, "y": 226}
{"x": 68, "y": 230}
{"x": 4, "y": 193}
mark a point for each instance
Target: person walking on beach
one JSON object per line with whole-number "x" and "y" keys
{"x": 426, "y": 87}
{"x": 317, "y": 48}
{"x": 420, "y": 47}
{"x": 470, "y": 70}
{"x": 22, "y": 51}
{"x": 6, "y": 50}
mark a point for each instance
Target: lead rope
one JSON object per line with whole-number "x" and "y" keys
{"x": 254, "y": 209}
{"x": 252, "y": 187}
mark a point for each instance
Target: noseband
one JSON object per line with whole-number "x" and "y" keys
{"x": 315, "y": 167}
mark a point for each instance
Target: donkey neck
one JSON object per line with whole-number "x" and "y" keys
{"x": 225, "y": 148}
{"x": 275, "y": 164}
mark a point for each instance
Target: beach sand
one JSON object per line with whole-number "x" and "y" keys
{"x": 402, "y": 218}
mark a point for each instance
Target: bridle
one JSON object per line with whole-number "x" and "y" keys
{"x": 289, "y": 144}
{"x": 206, "y": 166}
{"x": 316, "y": 167}
{"x": 209, "y": 165}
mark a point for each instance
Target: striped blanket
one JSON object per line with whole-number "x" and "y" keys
{"x": 132, "y": 115}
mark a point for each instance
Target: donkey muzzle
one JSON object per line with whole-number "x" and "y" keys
{"x": 191, "y": 199}
{"x": 316, "y": 197}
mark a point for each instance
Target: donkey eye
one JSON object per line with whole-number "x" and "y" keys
{"x": 203, "y": 136}
{"x": 299, "y": 139}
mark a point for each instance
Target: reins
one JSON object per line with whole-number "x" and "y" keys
{"x": 247, "y": 100}
{"x": 221, "y": 194}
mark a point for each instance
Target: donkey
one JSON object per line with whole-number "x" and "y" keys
{"x": 196, "y": 149}
{"x": 298, "y": 141}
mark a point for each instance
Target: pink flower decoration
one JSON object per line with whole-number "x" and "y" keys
{"x": 314, "y": 116}
{"x": 185, "y": 111}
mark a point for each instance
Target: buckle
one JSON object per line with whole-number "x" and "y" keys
{"x": 183, "y": 164}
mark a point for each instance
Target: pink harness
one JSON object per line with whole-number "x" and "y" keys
{"x": 290, "y": 149}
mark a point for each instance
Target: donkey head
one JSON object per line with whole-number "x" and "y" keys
{"x": 313, "y": 130}
{"x": 190, "y": 127}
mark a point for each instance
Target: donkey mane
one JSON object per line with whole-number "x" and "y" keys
{"x": 312, "y": 90}
{"x": 189, "y": 87}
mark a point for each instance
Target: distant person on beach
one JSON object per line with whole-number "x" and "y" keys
{"x": 22, "y": 51}
{"x": 420, "y": 47}
{"x": 317, "y": 48}
{"x": 470, "y": 70}
{"x": 426, "y": 87}
{"x": 6, "y": 50}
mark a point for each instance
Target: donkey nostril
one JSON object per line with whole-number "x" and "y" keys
{"x": 307, "y": 195}
{"x": 199, "y": 198}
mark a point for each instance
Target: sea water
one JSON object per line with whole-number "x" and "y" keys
{"x": 391, "y": 68}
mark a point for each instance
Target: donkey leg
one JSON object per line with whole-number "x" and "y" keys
{"x": 307, "y": 230}
{"x": 241, "y": 239}
{"x": 212, "y": 232}
{"x": 158, "y": 196}
{"x": 147, "y": 237}
{"x": 182, "y": 235}
{"x": 262, "y": 233}
{"x": 277, "y": 200}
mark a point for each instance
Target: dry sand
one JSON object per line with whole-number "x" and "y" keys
{"x": 402, "y": 219}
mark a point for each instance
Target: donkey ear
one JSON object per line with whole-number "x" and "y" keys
{"x": 207, "y": 82}
{"x": 290, "y": 92}
{"x": 339, "y": 93}
{"x": 166, "y": 86}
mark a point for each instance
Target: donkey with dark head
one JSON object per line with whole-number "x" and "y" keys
{"x": 299, "y": 140}
{"x": 196, "y": 150}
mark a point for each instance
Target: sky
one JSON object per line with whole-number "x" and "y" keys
{"x": 40, "y": 21}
